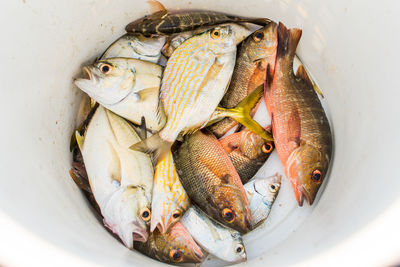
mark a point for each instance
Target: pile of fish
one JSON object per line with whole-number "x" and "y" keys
{"x": 167, "y": 149}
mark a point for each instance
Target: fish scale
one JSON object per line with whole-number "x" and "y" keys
{"x": 210, "y": 179}
{"x": 169, "y": 195}
{"x": 300, "y": 127}
{"x": 189, "y": 91}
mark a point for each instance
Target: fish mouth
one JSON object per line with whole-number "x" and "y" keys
{"x": 160, "y": 225}
{"x": 140, "y": 235}
{"x": 199, "y": 254}
{"x": 301, "y": 195}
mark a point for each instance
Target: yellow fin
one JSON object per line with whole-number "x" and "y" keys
{"x": 79, "y": 139}
{"x": 241, "y": 113}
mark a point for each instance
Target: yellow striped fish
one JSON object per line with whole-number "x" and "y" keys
{"x": 170, "y": 200}
{"x": 195, "y": 79}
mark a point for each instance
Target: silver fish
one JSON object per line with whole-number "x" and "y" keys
{"x": 261, "y": 193}
{"x": 128, "y": 87}
{"x": 215, "y": 238}
{"x": 121, "y": 179}
{"x": 136, "y": 46}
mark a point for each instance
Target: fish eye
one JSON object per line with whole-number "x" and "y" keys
{"x": 316, "y": 175}
{"x": 175, "y": 255}
{"x": 176, "y": 214}
{"x": 273, "y": 188}
{"x": 105, "y": 68}
{"x": 215, "y": 34}
{"x": 228, "y": 215}
{"x": 267, "y": 148}
{"x": 145, "y": 214}
{"x": 258, "y": 36}
{"x": 239, "y": 248}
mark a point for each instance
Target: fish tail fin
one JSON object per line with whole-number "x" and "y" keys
{"x": 154, "y": 145}
{"x": 241, "y": 113}
{"x": 288, "y": 40}
{"x": 302, "y": 73}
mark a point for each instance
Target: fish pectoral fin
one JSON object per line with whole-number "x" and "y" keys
{"x": 142, "y": 132}
{"x": 241, "y": 113}
{"x": 80, "y": 182}
{"x": 154, "y": 145}
{"x": 148, "y": 92}
{"x": 303, "y": 74}
{"x": 156, "y": 7}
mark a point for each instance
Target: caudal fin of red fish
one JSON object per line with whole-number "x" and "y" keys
{"x": 288, "y": 40}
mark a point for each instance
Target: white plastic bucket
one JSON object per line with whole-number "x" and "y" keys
{"x": 351, "y": 48}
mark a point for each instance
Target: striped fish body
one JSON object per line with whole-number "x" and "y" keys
{"x": 195, "y": 80}
{"x": 170, "y": 200}
{"x": 165, "y": 23}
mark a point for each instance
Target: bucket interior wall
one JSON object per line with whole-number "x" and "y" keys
{"x": 350, "y": 49}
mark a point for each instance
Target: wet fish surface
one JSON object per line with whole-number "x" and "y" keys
{"x": 247, "y": 151}
{"x": 215, "y": 238}
{"x": 194, "y": 81}
{"x": 262, "y": 193}
{"x": 128, "y": 87}
{"x": 136, "y": 46}
{"x": 121, "y": 179}
{"x": 254, "y": 54}
{"x": 164, "y": 22}
{"x": 175, "y": 246}
{"x": 170, "y": 200}
{"x": 300, "y": 127}
{"x": 211, "y": 181}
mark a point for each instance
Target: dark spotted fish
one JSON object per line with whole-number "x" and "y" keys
{"x": 300, "y": 127}
{"x": 211, "y": 181}
{"x": 166, "y": 23}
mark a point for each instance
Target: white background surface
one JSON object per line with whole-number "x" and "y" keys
{"x": 351, "y": 48}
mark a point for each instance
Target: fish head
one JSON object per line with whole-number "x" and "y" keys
{"x": 220, "y": 40}
{"x": 167, "y": 209}
{"x": 179, "y": 246}
{"x": 127, "y": 214}
{"x": 108, "y": 81}
{"x": 261, "y": 45}
{"x": 235, "y": 251}
{"x": 268, "y": 188}
{"x": 306, "y": 168}
{"x": 253, "y": 146}
{"x": 136, "y": 46}
{"x": 232, "y": 207}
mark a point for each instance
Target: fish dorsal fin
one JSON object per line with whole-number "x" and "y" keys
{"x": 302, "y": 73}
{"x": 156, "y": 7}
{"x": 294, "y": 127}
{"x": 268, "y": 78}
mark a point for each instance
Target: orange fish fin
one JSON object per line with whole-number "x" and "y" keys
{"x": 294, "y": 128}
{"x": 302, "y": 73}
{"x": 156, "y": 7}
{"x": 287, "y": 41}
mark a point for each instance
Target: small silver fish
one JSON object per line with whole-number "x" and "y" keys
{"x": 128, "y": 87}
{"x": 261, "y": 193}
{"x": 136, "y": 46}
{"x": 218, "y": 240}
{"x": 121, "y": 179}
